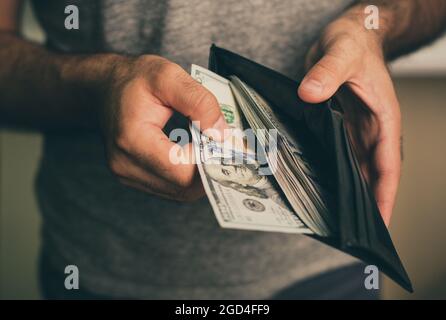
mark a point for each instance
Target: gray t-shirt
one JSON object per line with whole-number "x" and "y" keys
{"x": 130, "y": 244}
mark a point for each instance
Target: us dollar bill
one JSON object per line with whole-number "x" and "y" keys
{"x": 296, "y": 177}
{"x": 240, "y": 195}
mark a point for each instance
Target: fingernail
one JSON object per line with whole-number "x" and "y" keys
{"x": 222, "y": 127}
{"x": 312, "y": 86}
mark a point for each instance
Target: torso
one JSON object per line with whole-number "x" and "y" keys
{"x": 134, "y": 244}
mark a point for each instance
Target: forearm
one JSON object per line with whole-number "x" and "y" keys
{"x": 404, "y": 25}
{"x": 44, "y": 90}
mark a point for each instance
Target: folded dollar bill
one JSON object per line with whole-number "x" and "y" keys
{"x": 241, "y": 197}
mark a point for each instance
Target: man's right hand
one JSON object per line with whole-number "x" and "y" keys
{"x": 63, "y": 92}
{"x": 142, "y": 96}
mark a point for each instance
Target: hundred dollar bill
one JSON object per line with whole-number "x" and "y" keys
{"x": 240, "y": 196}
{"x": 295, "y": 176}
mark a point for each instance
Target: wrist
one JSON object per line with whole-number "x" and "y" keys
{"x": 387, "y": 30}
{"x": 88, "y": 80}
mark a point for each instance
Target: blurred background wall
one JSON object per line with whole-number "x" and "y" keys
{"x": 418, "y": 226}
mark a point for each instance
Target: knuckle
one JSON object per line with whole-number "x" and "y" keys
{"x": 123, "y": 141}
{"x": 156, "y": 69}
{"x": 344, "y": 47}
{"x": 166, "y": 68}
{"x": 117, "y": 167}
{"x": 173, "y": 69}
{"x": 126, "y": 137}
{"x": 201, "y": 102}
{"x": 150, "y": 61}
{"x": 326, "y": 69}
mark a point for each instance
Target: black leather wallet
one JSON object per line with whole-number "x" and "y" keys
{"x": 361, "y": 230}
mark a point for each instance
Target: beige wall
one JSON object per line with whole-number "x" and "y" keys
{"x": 418, "y": 227}
{"x": 19, "y": 218}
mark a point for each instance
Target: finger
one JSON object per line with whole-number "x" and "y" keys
{"x": 381, "y": 99}
{"x": 141, "y": 137}
{"x": 151, "y": 149}
{"x": 388, "y": 170}
{"x": 131, "y": 174}
{"x": 125, "y": 168}
{"x": 387, "y": 164}
{"x": 141, "y": 106}
{"x": 176, "y": 88}
{"x": 324, "y": 78}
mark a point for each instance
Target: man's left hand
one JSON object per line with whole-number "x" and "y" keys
{"x": 349, "y": 54}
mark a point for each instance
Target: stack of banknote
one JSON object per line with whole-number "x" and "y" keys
{"x": 257, "y": 178}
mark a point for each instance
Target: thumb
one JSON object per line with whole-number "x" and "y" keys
{"x": 187, "y": 96}
{"x": 324, "y": 79}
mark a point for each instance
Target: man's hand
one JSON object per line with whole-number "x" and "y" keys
{"x": 349, "y": 54}
{"x": 144, "y": 93}
{"x": 132, "y": 98}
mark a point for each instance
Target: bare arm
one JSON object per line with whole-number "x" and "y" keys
{"x": 405, "y": 25}
{"x": 43, "y": 90}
